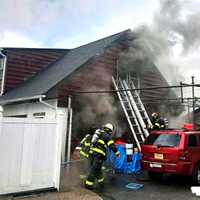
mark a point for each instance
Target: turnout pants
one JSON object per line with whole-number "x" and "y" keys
{"x": 85, "y": 167}
{"x": 95, "y": 173}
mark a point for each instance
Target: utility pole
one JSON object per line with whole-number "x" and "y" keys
{"x": 193, "y": 104}
{"x": 181, "y": 86}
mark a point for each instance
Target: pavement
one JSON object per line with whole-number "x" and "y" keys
{"x": 71, "y": 188}
{"x": 168, "y": 188}
{"x": 72, "y": 194}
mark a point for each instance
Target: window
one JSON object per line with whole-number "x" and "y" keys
{"x": 134, "y": 77}
{"x": 192, "y": 141}
{"x": 39, "y": 115}
{"x": 17, "y": 116}
{"x": 163, "y": 140}
{"x": 151, "y": 139}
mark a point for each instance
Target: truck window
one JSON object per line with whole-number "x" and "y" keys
{"x": 151, "y": 139}
{"x": 163, "y": 140}
{"x": 192, "y": 142}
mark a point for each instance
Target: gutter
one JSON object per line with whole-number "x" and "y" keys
{"x": 4, "y": 71}
{"x": 3, "y": 102}
{"x": 47, "y": 104}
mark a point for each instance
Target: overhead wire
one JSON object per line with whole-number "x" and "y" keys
{"x": 131, "y": 89}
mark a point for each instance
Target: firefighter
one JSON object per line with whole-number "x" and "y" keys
{"x": 98, "y": 153}
{"x": 158, "y": 123}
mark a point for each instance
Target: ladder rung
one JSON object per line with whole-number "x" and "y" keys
{"x": 139, "y": 133}
{"x": 127, "y": 106}
{"x": 135, "y": 125}
{"x": 131, "y": 117}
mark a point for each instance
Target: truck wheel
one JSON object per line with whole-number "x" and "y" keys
{"x": 155, "y": 175}
{"x": 196, "y": 174}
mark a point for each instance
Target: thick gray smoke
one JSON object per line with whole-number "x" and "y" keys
{"x": 95, "y": 109}
{"x": 168, "y": 42}
{"x": 180, "y": 21}
{"x": 151, "y": 46}
{"x": 175, "y": 23}
{"x": 175, "y": 30}
{"x": 147, "y": 46}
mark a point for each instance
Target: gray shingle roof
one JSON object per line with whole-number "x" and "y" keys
{"x": 52, "y": 75}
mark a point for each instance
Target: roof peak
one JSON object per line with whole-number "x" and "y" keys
{"x": 119, "y": 33}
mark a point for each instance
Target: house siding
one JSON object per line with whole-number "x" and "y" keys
{"x": 24, "y": 63}
{"x": 96, "y": 75}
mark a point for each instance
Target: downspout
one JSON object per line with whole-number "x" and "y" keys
{"x": 4, "y": 71}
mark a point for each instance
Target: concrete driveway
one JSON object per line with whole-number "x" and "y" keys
{"x": 170, "y": 188}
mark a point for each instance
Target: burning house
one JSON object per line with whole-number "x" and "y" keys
{"x": 35, "y": 82}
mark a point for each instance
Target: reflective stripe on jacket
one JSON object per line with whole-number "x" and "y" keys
{"x": 85, "y": 146}
{"x": 101, "y": 145}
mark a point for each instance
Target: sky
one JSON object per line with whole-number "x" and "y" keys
{"x": 69, "y": 23}
{"x": 72, "y": 23}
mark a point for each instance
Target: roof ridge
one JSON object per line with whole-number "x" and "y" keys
{"x": 62, "y": 68}
{"x": 106, "y": 37}
{"x": 35, "y": 48}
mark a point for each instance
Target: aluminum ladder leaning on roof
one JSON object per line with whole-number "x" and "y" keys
{"x": 129, "y": 113}
{"x": 138, "y": 106}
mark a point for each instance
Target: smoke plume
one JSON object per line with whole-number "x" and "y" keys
{"x": 168, "y": 43}
{"x": 180, "y": 22}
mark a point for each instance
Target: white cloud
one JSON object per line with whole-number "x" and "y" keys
{"x": 80, "y": 21}
{"x": 12, "y": 39}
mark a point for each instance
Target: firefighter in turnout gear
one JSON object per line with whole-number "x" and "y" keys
{"x": 98, "y": 152}
{"x": 158, "y": 123}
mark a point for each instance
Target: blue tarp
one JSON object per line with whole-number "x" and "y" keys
{"x": 120, "y": 164}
